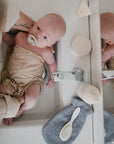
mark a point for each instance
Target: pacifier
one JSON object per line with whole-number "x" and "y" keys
{"x": 32, "y": 40}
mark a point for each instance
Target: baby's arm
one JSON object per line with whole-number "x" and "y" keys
{"x": 23, "y": 23}
{"x": 52, "y": 69}
{"x": 50, "y": 60}
{"x": 8, "y": 38}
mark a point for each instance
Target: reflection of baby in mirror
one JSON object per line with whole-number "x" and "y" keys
{"x": 22, "y": 76}
{"x": 107, "y": 34}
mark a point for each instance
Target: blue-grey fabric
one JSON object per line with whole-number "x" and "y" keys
{"x": 52, "y": 128}
{"x": 109, "y": 127}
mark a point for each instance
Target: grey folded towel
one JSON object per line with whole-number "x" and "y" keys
{"x": 53, "y": 127}
{"x": 109, "y": 127}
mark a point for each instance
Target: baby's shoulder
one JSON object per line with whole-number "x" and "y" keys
{"x": 20, "y": 36}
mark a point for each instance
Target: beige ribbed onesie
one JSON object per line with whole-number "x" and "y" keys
{"x": 22, "y": 70}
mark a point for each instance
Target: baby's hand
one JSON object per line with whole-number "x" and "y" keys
{"x": 50, "y": 83}
{"x": 105, "y": 82}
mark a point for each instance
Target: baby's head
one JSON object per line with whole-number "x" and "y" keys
{"x": 47, "y": 30}
{"x": 107, "y": 27}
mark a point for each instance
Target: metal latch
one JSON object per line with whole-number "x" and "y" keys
{"x": 75, "y": 75}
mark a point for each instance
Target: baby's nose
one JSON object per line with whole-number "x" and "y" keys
{"x": 39, "y": 36}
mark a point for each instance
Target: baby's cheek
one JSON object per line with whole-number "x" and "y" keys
{"x": 33, "y": 31}
{"x": 42, "y": 43}
{"x": 103, "y": 65}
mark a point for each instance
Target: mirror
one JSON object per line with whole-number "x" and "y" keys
{"x": 108, "y": 82}
{"x": 107, "y": 36}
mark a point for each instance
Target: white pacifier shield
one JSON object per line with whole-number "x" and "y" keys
{"x": 32, "y": 40}
{"x": 81, "y": 46}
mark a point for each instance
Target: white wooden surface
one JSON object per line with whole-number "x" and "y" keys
{"x": 96, "y": 71}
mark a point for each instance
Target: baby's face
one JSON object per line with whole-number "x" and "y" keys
{"x": 108, "y": 35}
{"x": 43, "y": 35}
{"x": 47, "y": 31}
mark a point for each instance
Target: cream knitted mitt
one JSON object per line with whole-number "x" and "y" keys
{"x": 9, "y": 106}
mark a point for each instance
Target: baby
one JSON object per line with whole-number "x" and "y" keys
{"x": 107, "y": 34}
{"x": 22, "y": 76}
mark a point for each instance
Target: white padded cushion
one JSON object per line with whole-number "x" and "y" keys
{"x": 81, "y": 46}
{"x": 89, "y": 93}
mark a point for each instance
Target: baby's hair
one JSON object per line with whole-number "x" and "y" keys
{"x": 107, "y": 23}
{"x": 58, "y": 21}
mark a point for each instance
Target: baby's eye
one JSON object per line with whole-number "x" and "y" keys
{"x": 45, "y": 37}
{"x": 38, "y": 28}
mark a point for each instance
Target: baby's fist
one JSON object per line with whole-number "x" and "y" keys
{"x": 50, "y": 83}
